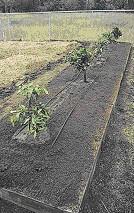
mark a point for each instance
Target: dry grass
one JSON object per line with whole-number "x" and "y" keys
{"x": 19, "y": 58}
{"x": 70, "y": 26}
{"x": 8, "y": 103}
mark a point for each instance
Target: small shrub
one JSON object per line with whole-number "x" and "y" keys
{"x": 78, "y": 57}
{"x": 108, "y": 37}
{"x": 116, "y": 33}
{"x": 33, "y": 114}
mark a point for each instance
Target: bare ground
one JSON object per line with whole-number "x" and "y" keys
{"x": 112, "y": 189}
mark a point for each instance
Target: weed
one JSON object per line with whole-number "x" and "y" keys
{"x": 129, "y": 133}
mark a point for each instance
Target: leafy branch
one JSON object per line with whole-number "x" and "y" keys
{"x": 108, "y": 37}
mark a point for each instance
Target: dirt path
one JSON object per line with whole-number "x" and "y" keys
{"x": 112, "y": 189}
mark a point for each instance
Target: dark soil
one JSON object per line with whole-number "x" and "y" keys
{"x": 6, "y": 207}
{"x": 20, "y": 169}
{"x": 112, "y": 188}
{"x": 7, "y": 132}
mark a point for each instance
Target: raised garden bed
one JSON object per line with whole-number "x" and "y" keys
{"x": 53, "y": 176}
{"x": 112, "y": 187}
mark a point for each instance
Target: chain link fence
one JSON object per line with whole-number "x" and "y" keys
{"x": 82, "y": 25}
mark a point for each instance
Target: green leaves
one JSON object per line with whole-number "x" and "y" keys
{"x": 79, "y": 58}
{"x": 29, "y": 90}
{"x": 38, "y": 120}
{"x": 105, "y": 39}
{"x": 17, "y": 116}
{"x": 82, "y": 56}
{"x": 109, "y": 37}
{"x": 116, "y": 33}
{"x": 34, "y": 115}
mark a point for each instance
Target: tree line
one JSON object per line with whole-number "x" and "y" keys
{"x": 53, "y": 5}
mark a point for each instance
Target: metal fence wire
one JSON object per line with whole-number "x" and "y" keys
{"x": 82, "y": 25}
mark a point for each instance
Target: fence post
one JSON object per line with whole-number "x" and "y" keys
{"x": 4, "y": 36}
{"x": 9, "y": 38}
{"x": 49, "y": 26}
{"x": 1, "y": 33}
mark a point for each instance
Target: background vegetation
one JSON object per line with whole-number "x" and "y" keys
{"x": 47, "y": 5}
{"x": 64, "y": 26}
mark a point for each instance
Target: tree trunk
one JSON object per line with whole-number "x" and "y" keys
{"x": 85, "y": 75}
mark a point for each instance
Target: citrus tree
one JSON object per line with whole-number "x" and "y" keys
{"x": 32, "y": 114}
{"x": 79, "y": 58}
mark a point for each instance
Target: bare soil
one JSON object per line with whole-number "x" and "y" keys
{"x": 112, "y": 188}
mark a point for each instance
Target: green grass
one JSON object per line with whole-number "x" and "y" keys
{"x": 68, "y": 26}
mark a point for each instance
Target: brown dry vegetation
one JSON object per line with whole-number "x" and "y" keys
{"x": 20, "y": 58}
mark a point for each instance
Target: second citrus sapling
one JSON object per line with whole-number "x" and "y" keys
{"x": 79, "y": 58}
